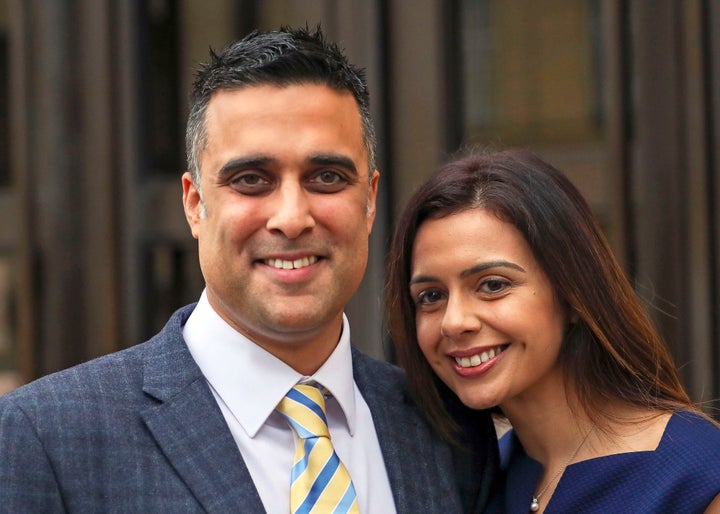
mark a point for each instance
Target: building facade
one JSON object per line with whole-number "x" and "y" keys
{"x": 623, "y": 95}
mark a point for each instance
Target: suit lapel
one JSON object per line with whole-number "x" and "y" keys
{"x": 418, "y": 465}
{"x": 190, "y": 429}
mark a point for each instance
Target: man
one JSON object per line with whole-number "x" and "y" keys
{"x": 280, "y": 195}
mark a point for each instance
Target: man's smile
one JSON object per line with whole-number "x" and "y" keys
{"x": 291, "y": 264}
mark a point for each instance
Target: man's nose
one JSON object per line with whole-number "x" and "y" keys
{"x": 290, "y": 211}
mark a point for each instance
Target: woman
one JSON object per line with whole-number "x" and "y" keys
{"x": 502, "y": 284}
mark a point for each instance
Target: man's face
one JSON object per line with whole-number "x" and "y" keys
{"x": 288, "y": 210}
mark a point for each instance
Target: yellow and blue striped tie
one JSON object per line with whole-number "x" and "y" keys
{"x": 319, "y": 483}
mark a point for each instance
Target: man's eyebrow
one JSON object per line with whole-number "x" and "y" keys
{"x": 263, "y": 161}
{"x": 470, "y": 271}
{"x": 334, "y": 160}
{"x": 242, "y": 163}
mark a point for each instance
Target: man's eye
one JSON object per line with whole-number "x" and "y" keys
{"x": 327, "y": 181}
{"x": 249, "y": 179}
{"x": 329, "y": 177}
{"x": 251, "y": 184}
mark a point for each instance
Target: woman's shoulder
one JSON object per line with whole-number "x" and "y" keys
{"x": 693, "y": 428}
{"x": 680, "y": 475}
{"x": 689, "y": 420}
{"x": 691, "y": 437}
{"x": 685, "y": 463}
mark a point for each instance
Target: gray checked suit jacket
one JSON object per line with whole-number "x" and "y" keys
{"x": 139, "y": 431}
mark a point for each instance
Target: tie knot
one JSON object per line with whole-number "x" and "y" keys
{"x": 304, "y": 408}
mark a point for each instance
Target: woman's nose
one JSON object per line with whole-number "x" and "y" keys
{"x": 460, "y": 318}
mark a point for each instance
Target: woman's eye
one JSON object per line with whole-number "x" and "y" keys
{"x": 429, "y": 297}
{"x": 493, "y": 286}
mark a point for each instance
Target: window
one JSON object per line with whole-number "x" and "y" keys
{"x": 532, "y": 74}
{"x": 159, "y": 67}
{"x": 531, "y": 71}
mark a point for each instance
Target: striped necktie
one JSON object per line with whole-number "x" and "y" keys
{"x": 319, "y": 482}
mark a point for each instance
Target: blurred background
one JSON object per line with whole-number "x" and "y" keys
{"x": 95, "y": 254}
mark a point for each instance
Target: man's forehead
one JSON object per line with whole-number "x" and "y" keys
{"x": 245, "y": 112}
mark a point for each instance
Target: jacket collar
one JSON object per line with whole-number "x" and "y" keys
{"x": 189, "y": 427}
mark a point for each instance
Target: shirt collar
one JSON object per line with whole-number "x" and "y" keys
{"x": 251, "y": 381}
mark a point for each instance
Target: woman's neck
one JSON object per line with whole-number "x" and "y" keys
{"x": 555, "y": 430}
{"x": 546, "y": 424}
{"x": 551, "y": 422}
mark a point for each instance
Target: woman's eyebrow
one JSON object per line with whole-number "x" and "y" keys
{"x": 492, "y": 264}
{"x": 471, "y": 271}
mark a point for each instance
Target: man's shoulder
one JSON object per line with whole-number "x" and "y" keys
{"x": 376, "y": 370}
{"x": 381, "y": 383}
{"x": 67, "y": 394}
{"x": 113, "y": 374}
{"x": 373, "y": 362}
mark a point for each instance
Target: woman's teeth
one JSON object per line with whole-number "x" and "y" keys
{"x": 477, "y": 359}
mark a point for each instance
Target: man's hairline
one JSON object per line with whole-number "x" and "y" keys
{"x": 203, "y": 135}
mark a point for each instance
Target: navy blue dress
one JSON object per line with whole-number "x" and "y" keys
{"x": 681, "y": 476}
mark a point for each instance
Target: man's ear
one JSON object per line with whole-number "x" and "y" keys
{"x": 192, "y": 203}
{"x": 372, "y": 198}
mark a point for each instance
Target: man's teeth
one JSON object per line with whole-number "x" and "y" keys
{"x": 297, "y": 263}
{"x": 477, "y": 359}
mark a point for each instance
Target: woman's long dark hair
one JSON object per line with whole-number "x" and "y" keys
{"x": 612, "y": 352}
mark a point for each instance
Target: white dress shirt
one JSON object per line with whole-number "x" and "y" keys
{"x": 248, "y": 383}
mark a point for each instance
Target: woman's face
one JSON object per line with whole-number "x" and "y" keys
{"x": 487, "y": 318}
